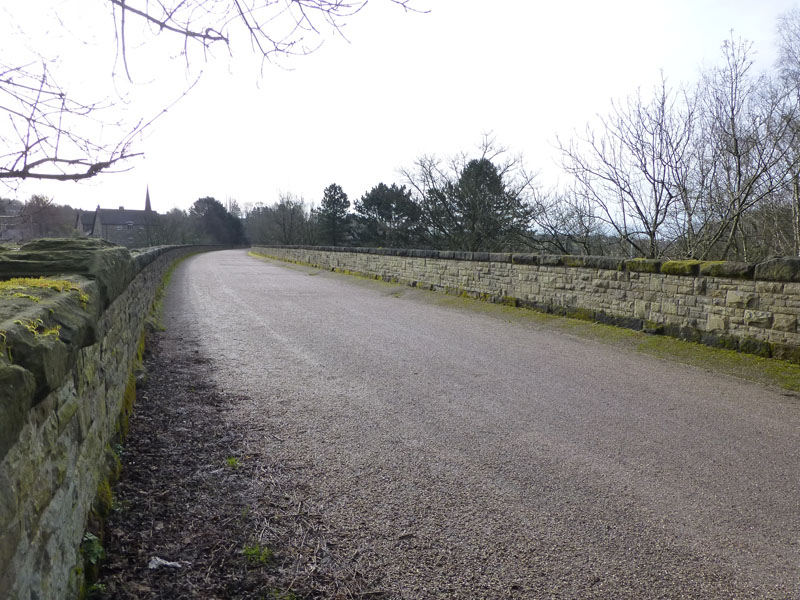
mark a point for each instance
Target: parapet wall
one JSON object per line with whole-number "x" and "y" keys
{"x": 747, "y": 307}
{"x": 67, "y": 354}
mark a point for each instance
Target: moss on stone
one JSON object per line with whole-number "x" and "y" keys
{"x": 573, "y": 261}
{"x": 687, "y": 268}
{"x": 128, "y": 400}
{"x": 21, "y": 294}
{"x": 584, "y": 314}
{"x": 112, "y": 267}
{"x": 606, "y": 263}
{"x": 113, "y": 463}
{"x": 728, "y": 269}
{"x": 104, "y": 499}
{"x": 15, "y": 284}
{"x": 652, "y": 327}
{"x": 778, "y": 269}
{"x": 643, "y": 265}
{"x": 754, "y": 346}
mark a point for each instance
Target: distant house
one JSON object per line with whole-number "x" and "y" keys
{"x": 126, "y": 227}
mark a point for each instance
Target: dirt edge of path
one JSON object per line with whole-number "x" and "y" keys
{"x": 199, "y": 512}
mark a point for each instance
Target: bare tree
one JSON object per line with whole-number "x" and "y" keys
{"x": 565, "y": 223}
{"x": 49, "y": 135}
{"x": 678, "y": 174}
{"x": 288, "y": 221}
{"x": 290, "y": 215}
{"x": 273, "y": 28}
{"x": 49, "y": 132}
{"x": 789, "y": 70}
{"x": 748, "y": 124}
{"x": 633, "y": 169}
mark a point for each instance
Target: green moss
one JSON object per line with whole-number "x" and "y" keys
{"x": 510, "y": 301}
{"x": 731, "y": 270}
{"x": 93, "y": 553}
{"x": 643, "y": 265}
{"x": 140, "y": 347}
{"x": 652, "y": 327}
{"x": 36, "y": 328}
{"x": 96, "y": 591}
{"x": 128, "y": 400}
{"x": 77, "y": 580}
{"x": 757, "y": 347}
{"x": 113, "y": 462}
{"x": 768, "y": 371}
{"x": 104, "y": 500}
{"x": 687, "y": 268}
{"x": 20, "y": 287}
{"x": 584, "y": 314}
{"x": 256, "y": 554}
{"x": 26, "y": 297}
{"x": 5, "y": 348}
{"x": 573, "y": 261}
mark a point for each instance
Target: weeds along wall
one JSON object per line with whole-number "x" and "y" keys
{"x": 752, "y": 308}
{"x": 68, "y": 346}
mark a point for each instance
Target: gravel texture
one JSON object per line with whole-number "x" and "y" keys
{"x": 448, "y": 453}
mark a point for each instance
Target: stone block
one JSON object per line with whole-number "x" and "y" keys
{"x": 784, "y": 322}
{"x": 689, "y": 268}
{"x": 641, "y": 309}
{"x": 716, "y": 323}
{"x": 17, "y": 387}
{"x": 755, "y": 346}
{"x": 670, "y": 289}
{"x": 758, "y": 318}
{"x": 737, "y": 299}
{"x": 769, "y": 287}
{"x": 643, "y": 265}
{"x": 730, "y": 270}
{"x": 10, "y": 539}
{"x": 779, "y": 269}
{"x": 602, "y": 263}
{"x": 700, "y": 286}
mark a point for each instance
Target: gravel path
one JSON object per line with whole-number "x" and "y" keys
{"x": 456, "y": 455}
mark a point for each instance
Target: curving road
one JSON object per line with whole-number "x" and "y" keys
{"x": 455, "y": 454}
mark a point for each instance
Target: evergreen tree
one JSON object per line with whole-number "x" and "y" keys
{"x": 387, "y": 217}
{"x": 332, "y": 215}
{"x": 217, "y": 224}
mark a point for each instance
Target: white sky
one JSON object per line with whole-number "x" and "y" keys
{"x": 404, "y": 85}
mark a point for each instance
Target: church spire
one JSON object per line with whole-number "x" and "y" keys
{"x": 147, "y": 200}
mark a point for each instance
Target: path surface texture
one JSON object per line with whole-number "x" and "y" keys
{"x": 455, "y": 454}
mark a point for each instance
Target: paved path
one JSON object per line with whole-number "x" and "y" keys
{"x": 458, "y": 455}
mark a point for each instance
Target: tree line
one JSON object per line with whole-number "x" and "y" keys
{"x": 709, "y": 170}
{"x": 207, "y": 221}
{"x": 704, "y": 171}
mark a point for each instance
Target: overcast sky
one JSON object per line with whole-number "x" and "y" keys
{"x": 401, "y": 85}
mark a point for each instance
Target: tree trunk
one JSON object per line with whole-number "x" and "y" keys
{"x": 796, "y": 213}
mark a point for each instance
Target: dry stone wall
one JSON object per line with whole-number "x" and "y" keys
{"x": 66, "y": 389}
{"x": 746, "y": 307}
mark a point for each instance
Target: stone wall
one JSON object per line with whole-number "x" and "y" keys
{"x": 67, "y": 354}
{"x": 746, "y": 307}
